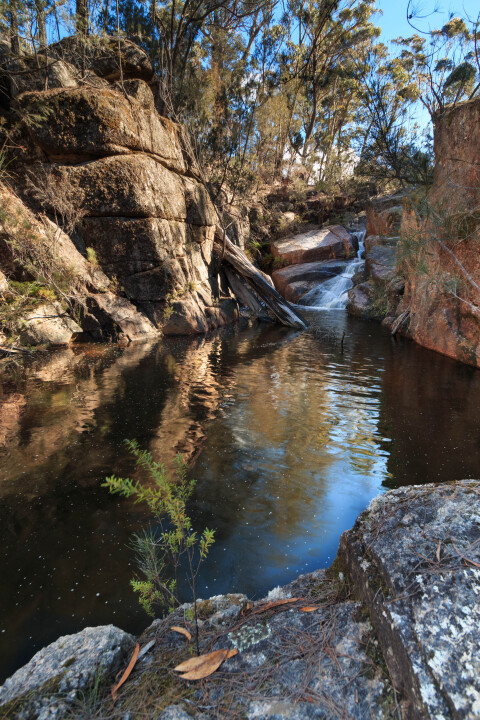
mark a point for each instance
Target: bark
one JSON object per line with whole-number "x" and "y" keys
{"x": 81, "y": 12}
{"x": 14, "y": 35}
{"x": 42, "y": 28}
{"x": 233, "y": 256}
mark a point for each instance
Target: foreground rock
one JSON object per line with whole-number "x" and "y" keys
{"x": 58, "y": 676}
{"x": 328, "y": 243}
{"x": 413, "y": 559}
{"x": 392, "y": 630}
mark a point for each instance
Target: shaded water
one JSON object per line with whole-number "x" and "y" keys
{"x": 288, "y": 439}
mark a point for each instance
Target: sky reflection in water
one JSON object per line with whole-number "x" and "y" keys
{"x": 287, "y": 437}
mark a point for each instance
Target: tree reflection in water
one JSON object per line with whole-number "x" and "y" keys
{"x": 287, "y": 437}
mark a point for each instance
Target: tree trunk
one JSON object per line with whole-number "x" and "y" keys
{"x": 232, "y": 255}
{"x": 81, "y": 13}
{"x": 42, "y": 28}
{"x": 14, "y": 36}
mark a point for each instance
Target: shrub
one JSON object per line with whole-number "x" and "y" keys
{"x": 166, "y": 499}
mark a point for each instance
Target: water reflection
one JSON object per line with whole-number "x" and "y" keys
{"x": 287, "y": 436}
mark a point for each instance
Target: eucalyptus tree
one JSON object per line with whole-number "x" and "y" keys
{"x": 442, "y": 66}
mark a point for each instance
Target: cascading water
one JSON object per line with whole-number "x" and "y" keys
{"x": 332, "y": 294}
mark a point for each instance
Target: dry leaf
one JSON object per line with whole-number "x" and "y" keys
{"x": 204, "y": 665}
{"x": 249, "y": 605}
{"x": 438, "y": 550}
{"x": 309, "y": 608}
{"x": 127, "y": 672}
{"x": 274, "y": 604}
{"x": 181, "y": 630}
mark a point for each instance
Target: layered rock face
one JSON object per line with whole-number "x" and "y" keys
{"x": 442, "y": 294}
{"x": 144, "y": 213}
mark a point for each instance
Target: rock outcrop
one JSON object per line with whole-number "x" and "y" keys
{"x": 391, "y": 630}
{"x": 57, "y": 677}
{"x": 27, "y": 241}
{"x": 440, "y": 308}
{"x": 124, "y": 172}
{"x": 330, "y": 243}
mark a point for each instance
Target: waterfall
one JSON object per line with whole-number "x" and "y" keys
{"x": 332, "y": 294}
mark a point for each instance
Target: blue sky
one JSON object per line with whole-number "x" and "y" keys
{"x": 430, "y": 15}
{"x": 394, "y": 19}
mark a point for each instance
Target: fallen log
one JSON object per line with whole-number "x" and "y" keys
{"x": 233, "y": 256}
{"x": 243, "y": 293}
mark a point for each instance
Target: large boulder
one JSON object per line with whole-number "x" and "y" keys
{"x": 128, "y": 186}
{"x": 360, "y": 300}
{"x": 28, "y": 74}
{"x": 114, "y": 318}
{"x": 56, "y": 678}
{"x": 130, "y": 180}
{"x": 101, "y": 313}
{"x": 91, "y": 123}
{"x": 380, "y": 263}
{"x": 106, "y": 57}
{"x": 413, "y": 558}
{"x": 328, "y": 243}
{"x": 48, "y": 324}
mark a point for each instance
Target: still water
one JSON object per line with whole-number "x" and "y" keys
{"x": 287, "y": 437}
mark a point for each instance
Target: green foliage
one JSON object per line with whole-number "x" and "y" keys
{"x": 166, "y": 498}
{"x": 92, "y": 256}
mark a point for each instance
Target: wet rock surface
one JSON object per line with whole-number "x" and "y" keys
{"x": 291, "y": 280}
{"x": 377, "y": 291}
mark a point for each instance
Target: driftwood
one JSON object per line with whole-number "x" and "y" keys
{"x": 241, "y": 266}
{"x": 243, "y": 293}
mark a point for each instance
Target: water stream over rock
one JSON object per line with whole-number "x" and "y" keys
{"x": 332, "y": 294}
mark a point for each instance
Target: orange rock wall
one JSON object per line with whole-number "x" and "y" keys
{"x": 443, "y": 272}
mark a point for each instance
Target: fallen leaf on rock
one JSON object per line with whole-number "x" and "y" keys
{"x": 274, "y": 604}
{"x": 202, "y": 666}
{"x": 309, "y": 608}
{"x": 127, "y": 672}
{"x": 181, "y": 630}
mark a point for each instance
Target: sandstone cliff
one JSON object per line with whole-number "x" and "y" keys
{"x": 97, "y": 158}
{"x": 422, "y": 279}
{"x": 441, "y": 258}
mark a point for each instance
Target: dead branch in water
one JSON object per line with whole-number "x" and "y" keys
{"x": 233, "y": 256}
